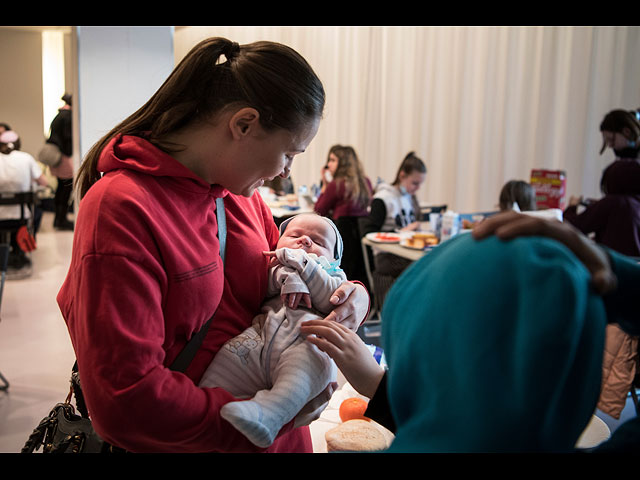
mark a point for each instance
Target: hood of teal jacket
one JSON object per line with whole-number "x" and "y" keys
{"x": 493, "y": 346}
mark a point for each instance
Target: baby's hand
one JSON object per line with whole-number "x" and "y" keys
{"x": 292, "y": 300}
{"x": 350, "y": 353}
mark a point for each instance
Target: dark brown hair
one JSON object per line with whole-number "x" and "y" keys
{"x": 617, "y": 120}
{"x": 218, "y": 73}
{"x": 351, "y": 172}
{"x": 520, "y": 192}
{"x": 411, "y": 163}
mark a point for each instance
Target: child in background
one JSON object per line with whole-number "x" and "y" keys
{"x": 517, "y": 192}
{"x": 270, "y": 362}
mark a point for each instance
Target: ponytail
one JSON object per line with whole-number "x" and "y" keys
{"x": 218, "y": 73}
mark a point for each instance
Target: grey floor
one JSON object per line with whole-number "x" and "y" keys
{"x": 35, "y": 352}
{"x": 36, "y": 356}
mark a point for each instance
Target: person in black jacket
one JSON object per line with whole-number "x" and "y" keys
{"x": 61, "y": 135}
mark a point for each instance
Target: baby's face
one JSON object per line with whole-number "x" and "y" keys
{"x": 311, "y": 233}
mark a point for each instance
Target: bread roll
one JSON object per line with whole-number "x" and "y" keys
{"x": 355, "y": 436}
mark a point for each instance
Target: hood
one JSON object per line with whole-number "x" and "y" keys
{"x": 502, "y": 352}
{"x": 137, "y": 154}
{"x": 338, "y": 249}
{"x": 385, "y": 189}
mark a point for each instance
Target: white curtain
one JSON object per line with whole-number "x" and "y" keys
{"x": 480, "y": 105}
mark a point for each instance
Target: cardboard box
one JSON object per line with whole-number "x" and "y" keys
{"x": 550, "y": 187}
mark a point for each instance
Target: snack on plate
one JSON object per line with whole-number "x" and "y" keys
{"x": 422, "y": 240}
{"x": 355, "y": 436}
{"x": 387, "y": 237}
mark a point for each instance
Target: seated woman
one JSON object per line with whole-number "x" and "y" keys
{"x": 517, "y": 192}
{"x": 345, "y": 199}
{"x": 615, "y": 218}
{"x": 394, "y": 207}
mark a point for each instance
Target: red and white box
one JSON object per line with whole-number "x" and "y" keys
{"x": 550, "y": 187}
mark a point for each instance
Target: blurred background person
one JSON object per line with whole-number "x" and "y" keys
{"x": 19, "y": 172}
{"x": 517, "y": 192}
{"x": 394, "y": 207}
{"x": 61, "y": 135}
{"x": 345, "y": 199}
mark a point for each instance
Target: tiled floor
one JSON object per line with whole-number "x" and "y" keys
{"x": 35, "y": 352}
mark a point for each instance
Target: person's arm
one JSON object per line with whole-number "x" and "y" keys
{"x": 592, "y": 219}
{"x": 356, "y": 363}
{"x": 375, "y": 220}
{"x": 42, "y": 181}
{"x": 508, "y": 225}
{"x": 319, "y": 283}
{"x": 327, "y": 200}
{"x": 621, "y": 303}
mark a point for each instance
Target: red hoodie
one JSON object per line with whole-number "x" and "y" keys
{"x": 145, "y": 275}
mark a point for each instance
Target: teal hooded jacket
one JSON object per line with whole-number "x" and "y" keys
{"x": 493, "y": 346}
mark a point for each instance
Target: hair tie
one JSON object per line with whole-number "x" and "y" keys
{"x": 232, "y": 50}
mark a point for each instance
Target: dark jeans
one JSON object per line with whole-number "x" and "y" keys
{"x": 61, "y": 199}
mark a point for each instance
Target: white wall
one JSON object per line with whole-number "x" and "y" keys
{"x": 118, "y": 69}
{"x": 480, "y": 105}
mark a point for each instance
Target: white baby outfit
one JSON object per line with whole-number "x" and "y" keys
{"x": 270, "y": 362}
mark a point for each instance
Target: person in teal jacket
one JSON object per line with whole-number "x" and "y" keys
{"x": 501, "y": 350}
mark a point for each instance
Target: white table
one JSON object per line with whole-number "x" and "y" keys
{"x": 395, "y": 248}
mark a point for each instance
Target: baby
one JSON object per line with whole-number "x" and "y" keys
{"x": 270, "y": 362}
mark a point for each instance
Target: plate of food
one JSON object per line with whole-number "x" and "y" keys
{"x": 383, "y": 237}
{"x": 420, "y": 241}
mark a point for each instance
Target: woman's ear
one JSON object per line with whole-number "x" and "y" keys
{"x": 243, "y": 122}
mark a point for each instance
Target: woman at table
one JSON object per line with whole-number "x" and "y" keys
{"x": 444, "y": 350}
{"x": 394, "y": 208}
{"x": 345, "y": 199}
{"x": 614, "y": 219}
{"x": 146, "y": 271}
{"x": 621, "y": 132}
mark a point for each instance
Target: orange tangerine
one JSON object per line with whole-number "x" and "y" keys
{"x": 353, "y": 409}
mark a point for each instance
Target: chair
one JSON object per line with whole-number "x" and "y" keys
{"x": 18, "y": 233}
{"x": 378, "y": 284}
{"x": 352, "y": 259}
{"x": 8, "y": 238}
{"x": 426, "y": 210}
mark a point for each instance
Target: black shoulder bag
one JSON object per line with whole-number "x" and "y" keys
{"x": 64, "y": 431}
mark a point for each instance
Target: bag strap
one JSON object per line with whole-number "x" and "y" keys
{"x": 184, "y": 358}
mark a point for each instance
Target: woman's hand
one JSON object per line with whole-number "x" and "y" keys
{"x": 413, "y": 226}
{"x": 352, "y": 305}
{"x": 511, "y": 224}
{"x": 350, "y": 353}
{"x": 574, "y": 201}
{"x": 272, "y": 259}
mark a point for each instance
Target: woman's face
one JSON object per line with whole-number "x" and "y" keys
{"x": 615, "y": 140}
{"x": 412, "y": 181}
{"x": 332, "y": 163}
{"x": 266, "y": 155}
{"x": 310, "y": 233}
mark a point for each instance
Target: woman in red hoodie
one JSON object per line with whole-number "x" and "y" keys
{"x": 146, "y": 271}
